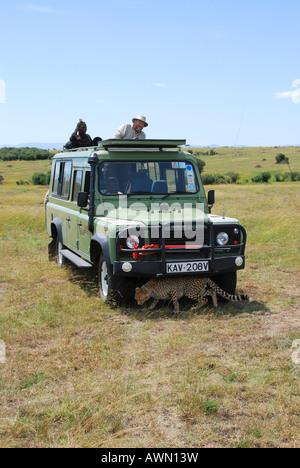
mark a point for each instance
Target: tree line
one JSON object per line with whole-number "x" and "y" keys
{"x": 24, "y": 154}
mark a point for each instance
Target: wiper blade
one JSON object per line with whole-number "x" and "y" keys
{"x": 138, "y": 193}
{"x": 178, "y": 192}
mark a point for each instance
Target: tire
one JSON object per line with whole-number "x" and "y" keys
{"x": 227, "y": 282}
{"x": 60, "y": 259}
{"x": 111, "y": 288}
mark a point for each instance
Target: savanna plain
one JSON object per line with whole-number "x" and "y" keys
{"x": 80, "y": 374}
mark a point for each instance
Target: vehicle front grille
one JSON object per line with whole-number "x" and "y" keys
{"x": 178, "y": 236}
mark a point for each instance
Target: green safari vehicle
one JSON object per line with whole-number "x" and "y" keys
{"x": 137, "y": 210}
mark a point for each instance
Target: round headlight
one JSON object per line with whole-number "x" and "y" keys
{"x": 131, "y": 241}
{"x": 222, "y": 238}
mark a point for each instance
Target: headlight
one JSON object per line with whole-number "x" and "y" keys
{"x": 222, "y": 238}
{"x": 131, "y": 241}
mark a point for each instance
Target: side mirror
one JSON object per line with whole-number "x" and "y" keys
{"x": 82, "y": 200}
{"x": 211, "y": 199}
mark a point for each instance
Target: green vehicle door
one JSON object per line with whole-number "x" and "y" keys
{"x": 83, "y": 234}
{"x": 73, "y": 212}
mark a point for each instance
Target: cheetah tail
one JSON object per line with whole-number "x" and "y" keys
{"x": 229, "y": 297}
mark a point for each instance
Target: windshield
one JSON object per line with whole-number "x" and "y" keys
{"x": 149, "y": 178}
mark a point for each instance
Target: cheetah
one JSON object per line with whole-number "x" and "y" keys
{"x": 175, "y": 288}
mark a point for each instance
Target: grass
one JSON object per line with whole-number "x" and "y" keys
{"x": 249, "y": 162}
{"x": 79, "y": 374}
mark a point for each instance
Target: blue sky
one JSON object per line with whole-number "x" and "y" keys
{"x": 220, "y": 72}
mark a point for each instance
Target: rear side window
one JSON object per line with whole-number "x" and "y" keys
{"x": 77, "y": 185}
{"x": 62, "y": 179}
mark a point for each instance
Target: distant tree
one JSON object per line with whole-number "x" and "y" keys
{"x": 281, "y": 159}
{"x": 24, "y": 154}
{"x": 201, "y": 164}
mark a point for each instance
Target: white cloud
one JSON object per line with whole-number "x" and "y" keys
{"x": 293, "y": 95}
{"x": 160, "y": 85}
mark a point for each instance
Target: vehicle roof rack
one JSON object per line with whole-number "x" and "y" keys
{"x": 119, "y": 144}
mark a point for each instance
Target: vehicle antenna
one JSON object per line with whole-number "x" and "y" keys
{"x": 241, "y": 123}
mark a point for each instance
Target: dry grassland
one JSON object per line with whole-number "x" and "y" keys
{"x": 79, "y": 374}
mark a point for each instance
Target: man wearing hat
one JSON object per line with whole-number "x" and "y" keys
{"x": 132, "y": 132}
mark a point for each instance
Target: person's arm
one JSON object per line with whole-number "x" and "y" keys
{"x": 74, "y": 137}
{"x": 120, "y": 133}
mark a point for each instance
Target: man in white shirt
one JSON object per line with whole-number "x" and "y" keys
{"x": 132, "y": 132}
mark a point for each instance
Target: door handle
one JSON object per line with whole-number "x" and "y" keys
{"x": 68, "y": 219}
{"x": 79, "y": 224}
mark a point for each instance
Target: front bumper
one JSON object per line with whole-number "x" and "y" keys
{"x": 159, "y": 268}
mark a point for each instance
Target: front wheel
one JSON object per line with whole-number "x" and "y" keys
{"x": 111, "y": 288}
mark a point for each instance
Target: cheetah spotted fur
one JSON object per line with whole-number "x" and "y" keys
{"x": 194, "y": 288}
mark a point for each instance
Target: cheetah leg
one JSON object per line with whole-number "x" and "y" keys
{"x": 175, "y": 301}
{"x": 154, "y": 304}
{"x": 200, "y": 303}
{"x": 213, "y": 294}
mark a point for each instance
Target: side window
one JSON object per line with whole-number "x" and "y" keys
{"x": 66, "y": 180}
{"x": 62, "y": 179}
{"x": 77, "y": 185}
{"x": 87, "y": 182}
{"x": 57, "y": 183}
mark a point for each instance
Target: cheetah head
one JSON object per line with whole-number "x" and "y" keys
{"x": 142, "y": 294}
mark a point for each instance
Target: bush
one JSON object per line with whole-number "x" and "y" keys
{"x": 279, "y": 177}
{"x": 234, "y": 177}
{"x": 215, "y": 179}
{"x": 22, "y": 182}
{"x": 288, "y": 176}
{"x": 212, "y": 152}
{"x": 264, "y": 177}
{"x": 208, "y": 179}
{"x": 201, "y": 164}
{"x": 296, "y": 176}
{"x": 1, "y": 179}
{"x": 39, "y": 178}
{"x": 222, "y": 179}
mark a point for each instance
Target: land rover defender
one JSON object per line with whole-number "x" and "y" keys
{"x": 137, "y": 209}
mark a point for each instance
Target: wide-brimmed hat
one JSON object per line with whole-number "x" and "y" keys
{"x": 142, "y": 119}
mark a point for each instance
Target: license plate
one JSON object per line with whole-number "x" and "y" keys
{"x": 187, "y": 267}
